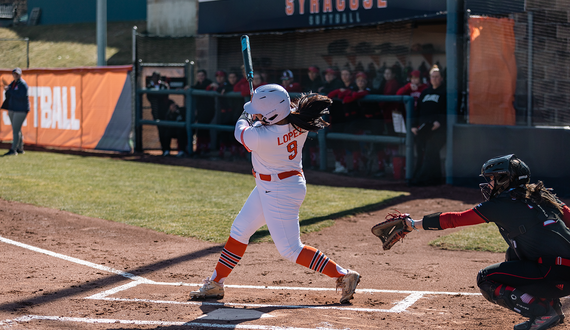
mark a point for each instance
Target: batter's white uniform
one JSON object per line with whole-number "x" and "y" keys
{"x": 275, "y": 149}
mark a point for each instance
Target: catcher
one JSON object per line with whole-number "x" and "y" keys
{"x": 533, "y": 222}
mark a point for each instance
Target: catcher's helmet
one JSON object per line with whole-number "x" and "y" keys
{"x": 271, "y": 101}
{"x": 507, "y": 172}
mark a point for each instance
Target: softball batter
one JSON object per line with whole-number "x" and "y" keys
{"x": 276, "y": 142}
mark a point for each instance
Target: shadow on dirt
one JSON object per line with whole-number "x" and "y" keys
{"x": 110, "y": 280}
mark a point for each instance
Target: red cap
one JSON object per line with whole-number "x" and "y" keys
{"x": 361, "y": 74}
{"x": 220, "y": 73}
{"x": 314, "y": 69}
{"x": 415, "y": 73}
{"x": 330, "y": 70}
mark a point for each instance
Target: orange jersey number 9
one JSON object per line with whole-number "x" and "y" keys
{"x": 292, "y": 148}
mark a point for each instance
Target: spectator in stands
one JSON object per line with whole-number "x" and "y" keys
{"x": 357, "y": 116}
{"x": 314, "y": 82}
{"x": 289, "y": 84}
{"x": 389, "y": 86}
{"x": 159, "y": 108}
{"x": 232, "y": 79}
{"x": 257, "y": 81}
{"x": 429, "y": 127}
{"x": 224, "y": 112}
{"x": 341, "y": 115}
{"x": 414, "y": 88}
{"x": 332, "y": 81}
{"x": 204, "y": 113}
{"x": 178, "y": 114}
{"x": 18, "y": 105}
{"x": 242, "y": 84}
{"x": 236, "y": 104}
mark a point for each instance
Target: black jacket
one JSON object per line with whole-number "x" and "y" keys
{"x": 432, "y": 106}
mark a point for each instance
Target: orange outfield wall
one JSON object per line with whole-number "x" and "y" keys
{"x": 87, "y": 108}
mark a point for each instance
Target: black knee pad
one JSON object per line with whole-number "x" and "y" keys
{"x": 486, "y": 286}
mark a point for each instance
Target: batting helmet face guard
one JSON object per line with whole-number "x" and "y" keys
{"x": 271, "y": 101}
{"x": 506, "y": 172}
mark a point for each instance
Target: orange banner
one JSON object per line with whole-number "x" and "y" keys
{"x": 72, "y": 108}
{"x": 492, "y": 71}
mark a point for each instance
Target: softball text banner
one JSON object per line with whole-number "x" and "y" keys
{"x": 86, "y": 108}
{"x": 233, "y": 16}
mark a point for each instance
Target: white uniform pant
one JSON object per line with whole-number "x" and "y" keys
{"x": 277, "y": 205}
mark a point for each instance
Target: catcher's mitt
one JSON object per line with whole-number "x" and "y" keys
{"x": 392, "y": 230}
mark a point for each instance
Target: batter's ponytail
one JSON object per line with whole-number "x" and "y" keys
{"x": 308, "y": 112}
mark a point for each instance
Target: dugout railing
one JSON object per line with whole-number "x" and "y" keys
{"x": 323, "y": 139}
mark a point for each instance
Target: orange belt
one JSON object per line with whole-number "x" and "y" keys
{"x": 558, "y": 261}
{"x": 281, "y": 176}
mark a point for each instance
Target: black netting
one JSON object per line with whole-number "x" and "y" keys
{"x": 402, "y": 45}
{"x": 547, "y": 45}
{"x": 541, "y": 60}
{"x": 152, "y": 49}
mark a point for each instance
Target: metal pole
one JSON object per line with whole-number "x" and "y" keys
{"x": 454, "y": 8}
{"x": 189, "y": 103}
{"x": 529, "y": 74}
{"x": 101, "y": 32}
{"x": 134, "y": 86}
{"x": 138, "y": 113}
{"x": 27, "y": 52}
{"x": 134, "y": 45}
{"x": 409, "y": 103}
{"x": 322, "y": 139}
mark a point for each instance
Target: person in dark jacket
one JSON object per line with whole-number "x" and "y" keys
{"x": 177, "y": 113}
{"x": 429, "y": 128}
{"x": 534, "y": 224}
{"x": 332, "y": 81}
{"x": 204, "y": 113}
{"x": 159, "y": 108}
{"x": 314, "y": 81}
{"x": 18, "y": 105}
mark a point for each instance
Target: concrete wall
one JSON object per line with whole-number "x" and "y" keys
{"x": 172, "y": 18}
{"x": 539, "y": 148}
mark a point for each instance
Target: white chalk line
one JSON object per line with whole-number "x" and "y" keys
{"x": 29, "y": 318}
{"x": 413, "y": 296}
{"x": 75, "y": 260}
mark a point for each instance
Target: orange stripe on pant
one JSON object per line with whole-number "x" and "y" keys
{"x": 231, "y": 255}
{"x": 318, "y": 261}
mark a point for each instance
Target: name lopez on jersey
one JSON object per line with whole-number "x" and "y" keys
{"x": 288, "y": 137}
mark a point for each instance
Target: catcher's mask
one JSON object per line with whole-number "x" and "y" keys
{"x": 271, "y": 101}
{"x": 506, "y": 172}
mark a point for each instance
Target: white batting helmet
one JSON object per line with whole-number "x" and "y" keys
{"x": 271, "y": 101}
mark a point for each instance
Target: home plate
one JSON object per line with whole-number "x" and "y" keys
{"x": 232, "y": 314}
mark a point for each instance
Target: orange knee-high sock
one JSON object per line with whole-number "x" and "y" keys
{"x": 231, "y": 255}
{"x": 318, "y": 261}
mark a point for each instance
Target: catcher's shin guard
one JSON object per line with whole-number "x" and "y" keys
{"x": 512, "y": 299}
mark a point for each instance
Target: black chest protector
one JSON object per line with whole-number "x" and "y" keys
{"x": 531, "y": 230}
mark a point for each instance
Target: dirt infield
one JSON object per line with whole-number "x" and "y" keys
{"x": 65, "y": 271}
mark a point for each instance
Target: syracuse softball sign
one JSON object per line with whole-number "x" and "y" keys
{"x": 86, "y": 108}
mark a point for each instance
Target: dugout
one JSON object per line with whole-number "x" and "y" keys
{"x": 506, "y": 63}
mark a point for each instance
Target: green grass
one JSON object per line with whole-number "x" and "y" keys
{"x": 75, "y": 45}
{"x": 176, "y": 200}
{"x": 65, "y": 46}
{"x": 483, "y": 237}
